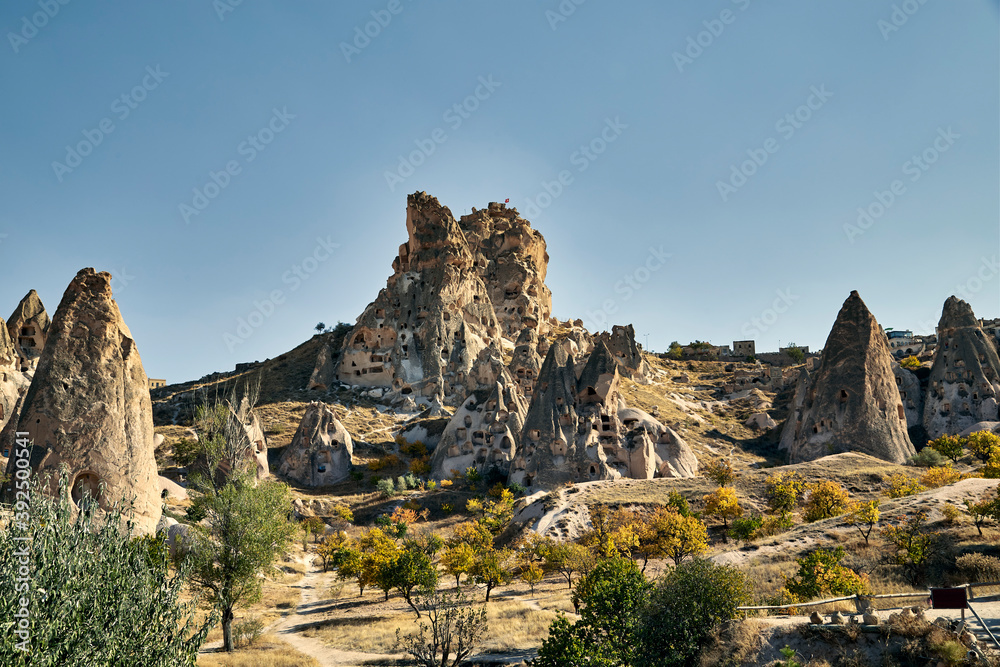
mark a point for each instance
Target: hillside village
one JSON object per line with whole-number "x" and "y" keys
{"x": 457, "y": 422}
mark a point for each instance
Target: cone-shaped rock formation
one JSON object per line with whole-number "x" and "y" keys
{"x": 851, "y": 402}
{"x": 321, "y": 450}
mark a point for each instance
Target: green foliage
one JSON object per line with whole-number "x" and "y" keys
{"x": 820, "y": 573}
{"x": 746, "y": 528}
{"x": 912, "y": 544}
{"x": 567, "y": 558}
{"x": 795, "y": 354}
{"x": 687, "y": 607}
{"x": 826, "y": 499}
{"x": 901, "y": 485}
{"x": 610, "y": 600}
{"x": 676, "y": 352}
{"x": 949, "y": 446}
{"x": 246, "y": 530}
{"x": 386, "y": 487}
{"x": 248, "y": 631}
{"x": 413, "y": 569}
{"x": 783, "y": 490}
{"x": 676, "y": 500}
{"x": 452, "y": 631}
{"x": 984, "y": 445}
{"x": 927, "y": 458}
{"x": 788, "y": 654}
{"x": 95, "y": 593}
{"x": 186, "y": 452}
{"x": 721, "y": 472}
{"x": 473, "y": 476}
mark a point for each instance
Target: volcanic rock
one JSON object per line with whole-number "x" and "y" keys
{"x": 88, "y": 406}
{"x": 321, "y": 450}
{"x": 28, "y": 328}
{"x": 965, "y": 378}
{"x": 851, "y": 402}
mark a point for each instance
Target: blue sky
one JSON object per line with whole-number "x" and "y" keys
{"x": 616, "y": 128}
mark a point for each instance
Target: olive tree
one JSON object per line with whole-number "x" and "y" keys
{"x": 80, "y": 587}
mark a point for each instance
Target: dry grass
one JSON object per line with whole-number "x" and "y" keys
{"x": 269, "y": 652}
{"x": 513, "y": 624}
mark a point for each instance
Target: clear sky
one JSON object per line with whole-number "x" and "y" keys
{"x": 713, "y": 157}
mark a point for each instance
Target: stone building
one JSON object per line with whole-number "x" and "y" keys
{"x": 744, "y": 348}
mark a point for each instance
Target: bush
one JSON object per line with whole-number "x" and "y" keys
{"x": 951, "y": 513}
{"x": 977, "y": 567}
{"x": 686, "y": 609}
{"x": 186, "y": 452}
{"x": 948, "y": 446}
{"x": 820, "y": 573}
{"x": 420, "y": 467}
{"x": 927, "y": 458}
{"x": 901, "y": 485}
{"x": 984, "y": 445}
{"x": 747, "y": 528}
{"x": 940, "y": 476}
{"x": 826, "y": 500}
{"x": 384, "y": 462}
{"x": 721, "y": 472}
{"x": 416, "y": 449}
{"x": 386, "y": 487}
{"x": 248, "y": 631}
{"x": 782, "y": 491}
{"x": 910, "y": 363}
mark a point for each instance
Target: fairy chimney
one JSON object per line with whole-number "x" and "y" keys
{"x": 321, "y": 450}
{"x": 965, "y": 378}
{"x": 88, "y": 406}
{"x": 851, "y": 403}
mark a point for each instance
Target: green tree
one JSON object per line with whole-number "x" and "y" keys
{"x": 912, "y": 543}
{"x": 413, "y": 569}
{"x": 610, "y": 599}
{"x": 783, "y": 490}
{"x": 983, "y": 510}
{"x": 948, "y": 445}
{"x": 245, "y": 531}
{"x": 457, "y": 560}
{"x": 795, "y": 353}
{"x": 687, "y": 607}
{"x": 984, "y": 445}
{"x": 490, "y": 568}
{"x": 721, "y": 472}
{"x": 568, "y": 558}
{"x": 95, "y": 592}
{"x": 864, "y": 516}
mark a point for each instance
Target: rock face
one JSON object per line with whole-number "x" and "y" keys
{"x": 460, "y": 293}
{"x": 88, "y": 406}
{"x": 28, "y": 328}
{"x": 965, "y": 378}
{"x": 245, "y": 428}
{"x": 911, "y": 395}
{"x": 321, "y": 450}
{"x": 622, "y": 345}
{"x": 851, "y": 402}
{"x": 432, "y": 332}
{"x": 569, "y": 422}
{"x": 484, "y": 433}
{"x": 511, "y": 260}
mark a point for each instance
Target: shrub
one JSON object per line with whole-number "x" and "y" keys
{"x": 901, "y": 485}
{"x": 686, "y": 609}
{"x": 984, "y": 445}
{"x": 951, "y": 513}
{"x": 782, "y": 491}
{"x": 186, "y": 452}
{"x": 379, "y": 464}
{"x": 416, "y": 449}
{"x": 776, "y": 523}
{"x": 445, "y": 483}
{"x": 453, "y": 630}
{"x": 721, "y": 472}
{"x": 948, "y": 446}
{"x": 472, "y": 475}
{"x": 910, "y": 363}
{"x": 747, "y": 528}
{"x": 420, "y": 467}
{"x": 912, "y": 544}
{"x": 977, "y": 567}
{"x": 248, "y": 631}
{"x": 386, "y": 488}
{"x": 826, "y": 500}
{"x": 940, "y": 476}
{"x": 983, "y": 510}
{"x": 679, "y": 503}
{"x": 864, "y": 516}
{"x": 820, "y": 573}
{"x": 927, "y": 458}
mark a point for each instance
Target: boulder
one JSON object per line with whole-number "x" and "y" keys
{"x": 172, "y": 488}
{"x": 760, "y": 421}
{"x": 815, "y": 618}
{"x": 88, "y": 406}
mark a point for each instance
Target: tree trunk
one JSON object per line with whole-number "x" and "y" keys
{"x": 488, "y": 589}
{"x": 227, "y": 630}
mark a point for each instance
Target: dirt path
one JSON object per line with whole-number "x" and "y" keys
{"x": 290, "y": 627}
